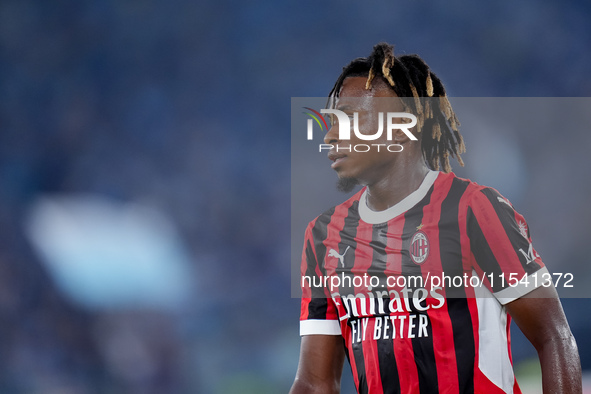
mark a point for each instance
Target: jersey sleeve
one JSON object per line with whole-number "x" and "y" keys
{"x": 502, "y": 248}
{"x": 318, "y": 313}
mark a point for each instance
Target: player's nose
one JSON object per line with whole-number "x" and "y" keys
{"x": 332, "y": 135}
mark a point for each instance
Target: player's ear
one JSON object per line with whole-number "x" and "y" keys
{"x": 400, "y": 137}
{"x": 403, "y": 126}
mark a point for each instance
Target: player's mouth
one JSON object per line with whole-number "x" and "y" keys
{"x": 336, "y": 158}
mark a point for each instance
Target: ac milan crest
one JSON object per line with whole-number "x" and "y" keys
{"x": 419, "y": 247}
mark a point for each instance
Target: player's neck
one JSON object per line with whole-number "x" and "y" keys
{"x": 400, "y": 182}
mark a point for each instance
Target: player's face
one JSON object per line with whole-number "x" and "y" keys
{"x": 364, "y": 168}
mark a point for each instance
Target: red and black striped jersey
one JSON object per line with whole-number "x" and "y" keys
{"x": 418, "y": 291}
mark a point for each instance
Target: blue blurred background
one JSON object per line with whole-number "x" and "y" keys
{"x": 145, "y": 173}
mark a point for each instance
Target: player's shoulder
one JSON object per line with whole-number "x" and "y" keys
{"x": 459, "y": 182}
{"x": 476, "y": 194}
{"x": 341, "y": 209}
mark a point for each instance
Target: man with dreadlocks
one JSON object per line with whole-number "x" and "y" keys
{"x": 380, "y": 271}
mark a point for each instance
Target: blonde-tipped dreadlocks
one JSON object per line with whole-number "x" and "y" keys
{"x": 410, "y": 77}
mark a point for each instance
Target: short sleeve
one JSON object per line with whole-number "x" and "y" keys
{"x": 501, "y": 244}
{"x": 318, "y": 313}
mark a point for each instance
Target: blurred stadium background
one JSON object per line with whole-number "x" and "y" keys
{"x": 145, "y": 174}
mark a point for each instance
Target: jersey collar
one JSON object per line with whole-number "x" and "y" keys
{"x": 377, "y": 217}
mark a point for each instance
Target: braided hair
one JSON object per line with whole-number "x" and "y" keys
{"x": 418, "y": 87}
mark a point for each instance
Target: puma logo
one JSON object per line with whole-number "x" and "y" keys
{"x": 341, "y": 257}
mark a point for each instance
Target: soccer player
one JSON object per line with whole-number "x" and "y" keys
{"x": 415, "y": 279}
